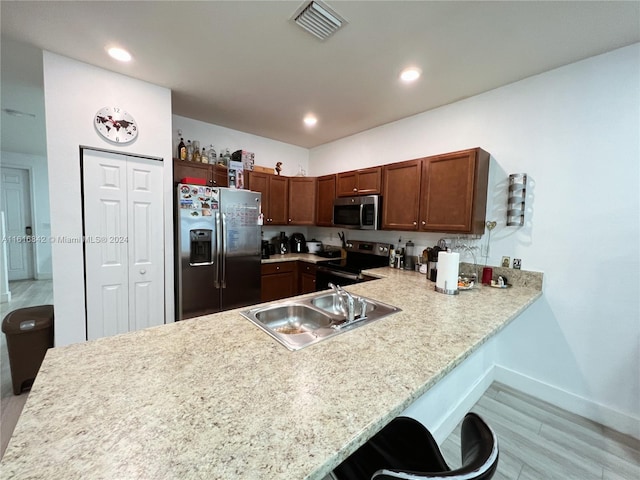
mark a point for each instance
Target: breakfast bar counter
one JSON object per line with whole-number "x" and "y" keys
{"x": 216, "y": 398}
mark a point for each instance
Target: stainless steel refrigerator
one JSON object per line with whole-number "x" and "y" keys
{"x": 218, "y": 234}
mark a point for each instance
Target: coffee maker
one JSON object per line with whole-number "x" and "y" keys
{"x": 297, "y": 243}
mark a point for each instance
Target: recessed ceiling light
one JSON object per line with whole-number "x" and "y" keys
{"x": 310, "y": 120}
{"x": 119, "y": 54}
{"x": 409, "y": 75}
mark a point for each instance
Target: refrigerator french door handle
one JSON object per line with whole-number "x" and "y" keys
{"x": 216, "y": 253}
{"x": 223, "y": 262}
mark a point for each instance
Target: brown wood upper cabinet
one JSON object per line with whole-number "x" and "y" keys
{"x": 401, "y": 195}
{"x": 444, "y": 193}
{"x": 324, "y": 202}
{"x": 275, "y": 196}
{"x": 359, "y": 182}
{"x": 214, "y": 175}
{"x": 453, "y": 193}
{"x": 302, "y": 200}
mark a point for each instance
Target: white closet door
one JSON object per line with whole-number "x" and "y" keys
{"x": 146, "y": 243}
{"x": 106, "y": 262}
{"x": 124, "y": 261}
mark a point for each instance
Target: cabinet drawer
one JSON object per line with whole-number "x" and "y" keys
{"x": 280, "y": 267}
{"x": 309, "y": 268}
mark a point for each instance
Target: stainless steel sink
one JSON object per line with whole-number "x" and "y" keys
{"x": 299, "y": 323}
{"x": 293, "y": 318}
{"x": 330, "y": 303}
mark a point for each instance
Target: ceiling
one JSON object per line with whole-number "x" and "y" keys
{"x": 247, "y": 66}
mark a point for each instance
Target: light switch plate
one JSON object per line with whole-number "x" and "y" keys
{"x": 506, "y": 261}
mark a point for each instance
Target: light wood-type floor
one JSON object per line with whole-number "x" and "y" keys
{"x": 539, "y": 441}
{"x": 24, "y": 293}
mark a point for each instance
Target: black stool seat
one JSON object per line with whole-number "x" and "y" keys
{"x": 405, "y": 449}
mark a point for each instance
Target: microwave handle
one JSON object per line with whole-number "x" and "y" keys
{"x": 361, "y": 213}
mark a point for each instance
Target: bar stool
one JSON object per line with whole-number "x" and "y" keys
{"x": 405, "y": 449}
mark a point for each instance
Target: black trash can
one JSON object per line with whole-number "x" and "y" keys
{"x": 29, "y": 333}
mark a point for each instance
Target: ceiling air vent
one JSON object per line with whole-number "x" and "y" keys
{"x": 318, "y": 19}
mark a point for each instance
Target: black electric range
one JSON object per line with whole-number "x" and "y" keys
{"x": 360, "y": 256}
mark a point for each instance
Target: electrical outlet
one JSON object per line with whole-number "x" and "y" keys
{"x": 516, "y": 263}
{"x": 506, "y": 261}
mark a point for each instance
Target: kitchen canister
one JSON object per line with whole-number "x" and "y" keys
{"x": 447, "y": 279}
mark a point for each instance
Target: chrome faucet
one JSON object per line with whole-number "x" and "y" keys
{"x": 348, "y": 304}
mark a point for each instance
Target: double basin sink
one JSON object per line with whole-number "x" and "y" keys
{"x": 303, "y": 322}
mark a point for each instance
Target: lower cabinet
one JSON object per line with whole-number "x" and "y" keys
{"x": 279, "y": 280}
{"x": 287, "y": 279}
{"x": 306, "y": 277}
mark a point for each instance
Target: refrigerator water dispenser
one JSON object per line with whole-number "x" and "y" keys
{"x": 201, "y": 252}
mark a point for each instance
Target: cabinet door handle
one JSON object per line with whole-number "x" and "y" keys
{"x": 277, "y": 268}
{"x": 355, "y": 189}
{"x": 424, "y": 223}
{"x": 415, "y": 223}
{"x": 289, "y": 220}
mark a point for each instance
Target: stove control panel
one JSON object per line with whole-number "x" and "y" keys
{"x": 371, "y": 248}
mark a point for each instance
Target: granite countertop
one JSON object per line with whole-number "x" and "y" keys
{"x": 216, "y": 398}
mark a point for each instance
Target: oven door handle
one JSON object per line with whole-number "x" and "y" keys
{"x": 338, "y": 273}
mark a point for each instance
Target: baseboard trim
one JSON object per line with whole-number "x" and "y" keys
{"x": 568, "y": 401}
{"x": 429, "y": 410}
{"x": 5, "y": 297}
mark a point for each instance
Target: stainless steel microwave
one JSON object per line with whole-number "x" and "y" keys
{"x": 357, "y": 212}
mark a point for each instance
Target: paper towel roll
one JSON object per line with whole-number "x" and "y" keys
{"x": 447, "y": 279}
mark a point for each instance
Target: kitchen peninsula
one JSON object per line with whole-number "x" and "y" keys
{"x": 216, "y": 398}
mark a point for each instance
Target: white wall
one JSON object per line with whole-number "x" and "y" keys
{"x": 74, "y": 92}
{"x": 576, "y": 132}
{"x": 267, "y": 151}
{"x": 41, "y": 221}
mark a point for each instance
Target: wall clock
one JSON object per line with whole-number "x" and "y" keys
{"x": 116, "y": 125}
